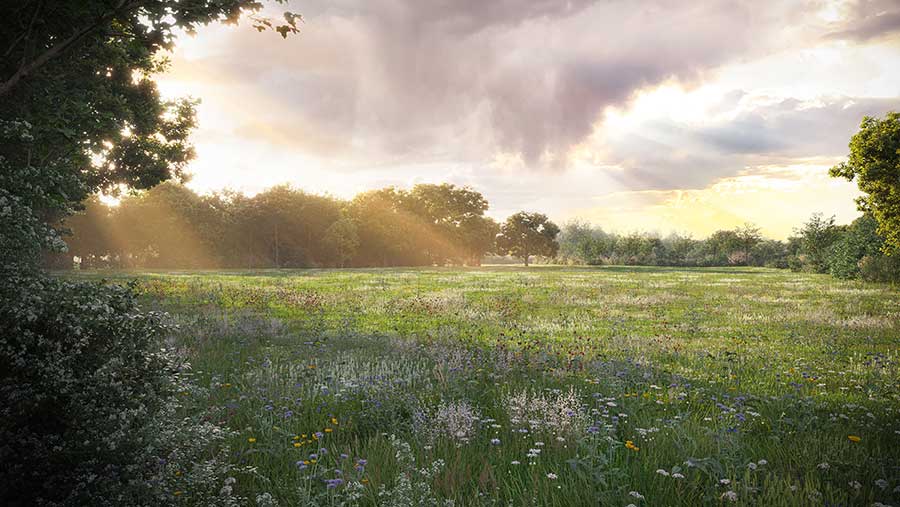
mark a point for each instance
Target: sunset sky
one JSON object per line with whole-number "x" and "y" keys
{"x": 652, "y": 116}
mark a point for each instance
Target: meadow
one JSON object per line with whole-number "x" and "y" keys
{"x": 544, "y": 386}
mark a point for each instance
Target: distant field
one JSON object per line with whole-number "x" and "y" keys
{"x": 544, "y": 386}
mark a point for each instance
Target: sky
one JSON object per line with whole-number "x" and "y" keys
{"x": 650, "y": 116}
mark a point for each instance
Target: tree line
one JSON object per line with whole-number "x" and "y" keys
{"x": 818, "y": 246}
{"x": 170, "y": 226}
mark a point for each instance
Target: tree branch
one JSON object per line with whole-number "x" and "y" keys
{"x": 27, "y": 68}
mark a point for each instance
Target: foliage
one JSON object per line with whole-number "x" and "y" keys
{"x": 858, "y": 241}
{"x": 880, "y": 268}
{"x": 815, "y": 240}
{"x": 171, "y": 226}
{"x": 525, "y": 234}
{"x": 90, "y": 413}
{"x": 875, "y": 165}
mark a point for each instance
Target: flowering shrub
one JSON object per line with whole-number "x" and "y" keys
{"x": 89, "y": 414}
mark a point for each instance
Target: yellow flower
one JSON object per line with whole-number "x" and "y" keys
{"x": 303, "y": 435}
{"x": 328, "y": 430}
{"x": 312, "y": 461}
{"x": 334, "y": 420}
{"x": 312, "y": 367}
{"x": 364, "y": 481}
{"x": 297, "y": 444}
{"x": 178, "y": 493}
{"x": 227, "y": 385}
{"x": 251, "y": 440}
{"x": 854, "y": 438}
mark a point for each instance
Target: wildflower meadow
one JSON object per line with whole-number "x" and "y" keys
{"x": 553, "y": 386}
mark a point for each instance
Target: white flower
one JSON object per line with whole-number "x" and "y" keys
{"x": 677, "y": 476}
{"x": 636, "y": 495}
{"x": 730, "y": 495}
{"x": 552, "y": 475}
{"x": 762, "y": 462}
{"x": 823, "y": 466}
{"x": 662, "y": 472}
{"x": 855, "y": 485}
{"x": 724, "y": 482}
{"x": 751, "y": 465}
{"x": 881, "y": 483}
{"x": 515, "y": 462}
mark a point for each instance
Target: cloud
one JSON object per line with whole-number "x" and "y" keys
{"x": 868, "y": 20}
{"x": 662, "y": 153}
{"x": 428, "y": 80}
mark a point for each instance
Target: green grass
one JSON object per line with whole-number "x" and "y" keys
{"x": 705, "y": 371}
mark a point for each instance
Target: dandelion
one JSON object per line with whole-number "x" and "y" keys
{"x": 854, "y": 438}
{"x": 251, "y": 440}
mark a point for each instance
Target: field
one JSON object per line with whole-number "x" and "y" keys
{"x": 543, "y": 386}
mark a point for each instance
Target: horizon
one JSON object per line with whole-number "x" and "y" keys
{"x": 691, "y": 129}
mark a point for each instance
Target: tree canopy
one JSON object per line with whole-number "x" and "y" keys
{"x": 875, "y": 165}
{"x": 525, "y": 234}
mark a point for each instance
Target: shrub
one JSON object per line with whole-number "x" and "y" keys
{"x": 880, "y": 268}
{"x": 88, "y": 413}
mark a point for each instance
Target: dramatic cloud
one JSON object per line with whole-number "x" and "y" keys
{"x": 543, "y": 104}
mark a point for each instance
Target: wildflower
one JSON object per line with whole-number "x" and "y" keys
{"x": 328, "y": 430}
{"x": 593, "y": 430}
{"x": 677, "y": 476}
{"x": 724, "y": 482}
{"x": 334, "y": 420}
{"x": 823, "y": 466}
{"x": 515, "y": 462}
{"x": 762, "y": 462}
{"x": 552, "y": 475}
{"x": 251, "y": 440}
{"x": 854, "y": 438}
{"x": 297, "y": 444}
{"x": 881, "y": 483}
{"x": 662, "y": 472}
{"x": 730, "y": 495}
{"x": 495, "y": 441}
{"x": 630, "y": 445}
{"x": 751, "y": 465}
{"x": 636, "y": 495}
{"x": 855, "y": 485}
